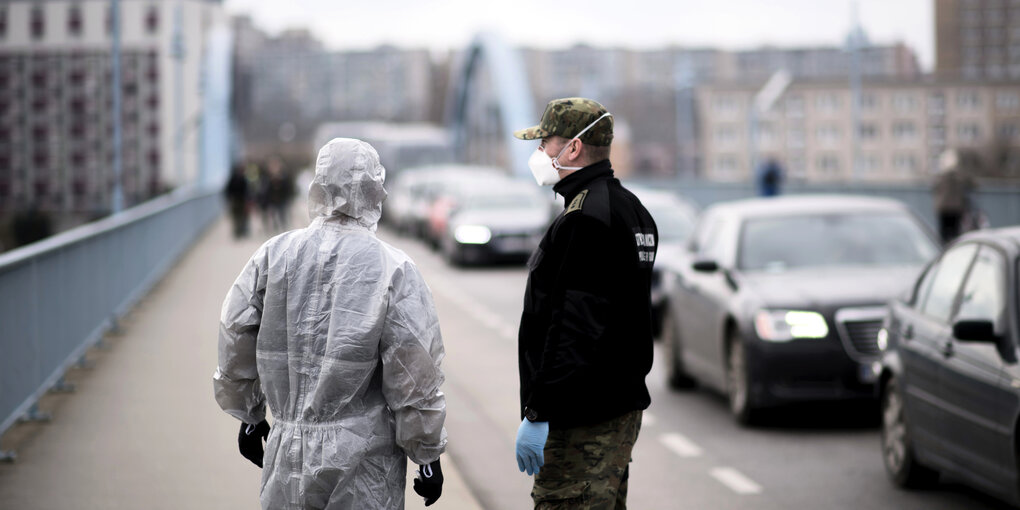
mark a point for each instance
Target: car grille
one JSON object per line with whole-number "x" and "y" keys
{"x": 863, "y": 336}
{"x": 858, "y": 330}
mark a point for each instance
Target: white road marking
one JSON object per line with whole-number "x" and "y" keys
{"x": 735, "y": 480}
{"x": 680, "y": 445}
{"x": 647, "y": 419}
{"x": 488, "y": 318}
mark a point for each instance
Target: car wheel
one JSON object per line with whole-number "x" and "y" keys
{"x": 677, "y": 377}
{"x": 897, "y": 448}
{"x": 739, "y": 381}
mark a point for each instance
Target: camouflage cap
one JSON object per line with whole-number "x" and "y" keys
{"x": 567, "y": 117}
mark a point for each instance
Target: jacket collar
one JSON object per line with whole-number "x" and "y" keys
{"x": 578, "y": 181}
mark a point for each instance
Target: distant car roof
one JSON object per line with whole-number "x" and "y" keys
{"x": 1005, "y": 237}
{"x": 649, "y": 196}
{"x": 808, "y": 204}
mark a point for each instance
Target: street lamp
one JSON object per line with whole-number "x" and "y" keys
{"x": 761, "y": 104}
{"x": 118, "y": 187}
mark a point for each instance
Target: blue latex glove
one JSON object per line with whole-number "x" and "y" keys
{"x": 531, "y": 438}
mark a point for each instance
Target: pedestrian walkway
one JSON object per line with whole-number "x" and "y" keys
{"x": 142, "y": 430}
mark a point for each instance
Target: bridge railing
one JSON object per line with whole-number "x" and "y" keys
{"x": 58, "y": 297}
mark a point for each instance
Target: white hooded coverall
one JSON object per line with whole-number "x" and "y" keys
{"x": 337, "y": 332}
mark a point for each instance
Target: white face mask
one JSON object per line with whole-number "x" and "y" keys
{"x": 546, "y": 169}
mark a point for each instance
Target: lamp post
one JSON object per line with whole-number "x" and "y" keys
{"x": 177, "y": 51}
{"x": 762, "y": 102}
{"x": 117, "y": 204}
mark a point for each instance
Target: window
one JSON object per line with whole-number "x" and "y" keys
{"x": 870, "y": 164}
{"x": 726, "y": 134}
{"x": 936, "y": 103}
{"x": 968, "y": 132}
{"x": 725, "y": 104}
{"x": 1007, "y": 101}
{"x": 838, "y": 239}
{"x": 828, "y": 134}
{"x": 984, "y": 294}
{"x": 1009, "y": 131}
{"x": 968, "y": 100}
{"x": 869, "y": 101}
{"x": 725, "y": 165}
{"x": 868, "y": 131}
{"x": 904, "y": 164}
{"x": 152, "y": 19}
{"x": 827, "y": 164}
{"x": 37, "y": 22}
{"x": 938, "y": 304}
{"x": 74, "y": 20}
{"x": 904, "y": 102}
{"x": 707, "y": 227}
{"x": 904, "y": 131}
{"x": 827, "y": 102}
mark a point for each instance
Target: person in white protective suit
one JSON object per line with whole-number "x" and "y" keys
{"x": 337, "y": 332}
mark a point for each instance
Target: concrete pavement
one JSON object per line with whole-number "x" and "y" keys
{"x": 143, "y": 430}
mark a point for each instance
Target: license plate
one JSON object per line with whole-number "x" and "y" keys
{"x": 514, "y": 244}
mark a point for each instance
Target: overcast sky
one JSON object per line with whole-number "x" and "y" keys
{"x": 444, "y": 24}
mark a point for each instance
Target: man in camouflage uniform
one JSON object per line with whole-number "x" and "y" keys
{"x": 585, "y": 343}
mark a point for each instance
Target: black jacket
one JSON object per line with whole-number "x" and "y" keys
{"x": 585, "y": 343}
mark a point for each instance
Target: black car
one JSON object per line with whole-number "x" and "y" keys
{"x": 950, "y": 381}
{"x": 780, "y": 300}
{"x": 674, "y": 218}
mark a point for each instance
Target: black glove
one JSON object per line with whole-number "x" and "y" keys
{"x": 429, "y": 482}
{"x": 249, "y": 441}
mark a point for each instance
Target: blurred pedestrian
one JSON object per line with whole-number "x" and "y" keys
{"x": 585, "y": 342}
{"x": 279, "y": 190}
{"x": 952, "y": 189}
{"x": 236, "y": 194}
{"x": 336, "y": 331}
{"x": 30, "y": 225}
{"x": 769, "y": 178}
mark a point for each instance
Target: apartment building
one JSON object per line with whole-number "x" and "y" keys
{"x": 903, "y": 127}
{"x": 56, "y": 100}
{"x": 977, "y": 39}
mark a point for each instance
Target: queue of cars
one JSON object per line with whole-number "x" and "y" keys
{"x": 796, "y": 299}
{"x": 811, "y": 298}
{"x": 471, "y": 214}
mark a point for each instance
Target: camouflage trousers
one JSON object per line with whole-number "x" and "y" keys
{"x": 587, "y": 467}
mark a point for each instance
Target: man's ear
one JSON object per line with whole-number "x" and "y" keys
{"x": 577, "y": 148}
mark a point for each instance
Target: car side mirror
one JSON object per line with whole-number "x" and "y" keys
{"x": 975, "y": 331}
{"x": 705, "y": 266}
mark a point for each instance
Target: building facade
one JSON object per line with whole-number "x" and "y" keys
{"x": 902, "y": 128}
{"x": 56, "y": 100}
{"x": 286, "y": 85}
{"x": 652, "y": 89}
{"x": 977, "y": 39}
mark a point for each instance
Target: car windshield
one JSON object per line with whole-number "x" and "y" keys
{"x": 673, "y": 222}
{"x": 777, "y": 244}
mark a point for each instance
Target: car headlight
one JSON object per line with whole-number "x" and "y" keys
{"x": 472, "y": 234}
{"x": 785, "y": 325}
{"x": 882, "y": 341}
